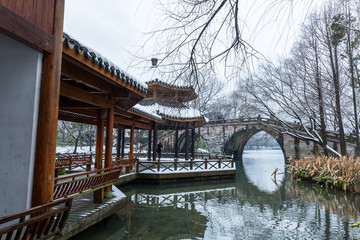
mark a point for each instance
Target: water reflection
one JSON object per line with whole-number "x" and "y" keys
{"x": 231, "y": 209}
{"x": 259, "y": 165}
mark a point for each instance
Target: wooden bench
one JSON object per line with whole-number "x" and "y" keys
{"x": 126, "y": 162}
{"x": 40, "y": 222}
{"x": 70, "y": 161}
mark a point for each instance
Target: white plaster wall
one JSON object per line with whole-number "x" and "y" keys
{"x": 20, "y": 74}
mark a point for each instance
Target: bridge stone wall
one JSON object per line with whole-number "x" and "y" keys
{"x": 217, "y": 136}
{"x": 230, "y": 137}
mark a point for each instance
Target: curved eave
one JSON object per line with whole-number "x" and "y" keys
{"x": 177, "y": 119}
{"x": 191, "y": 95}
{"x": 145, "y": 115}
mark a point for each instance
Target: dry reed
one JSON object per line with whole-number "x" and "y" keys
{"x": 340, "y": 173}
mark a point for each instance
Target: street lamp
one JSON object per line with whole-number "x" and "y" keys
{"x": 154, "y": 62}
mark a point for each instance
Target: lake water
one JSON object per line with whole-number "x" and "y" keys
{"x": 254, "y": 205}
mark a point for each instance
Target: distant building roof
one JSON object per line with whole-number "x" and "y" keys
{"x": 170, "y": 92}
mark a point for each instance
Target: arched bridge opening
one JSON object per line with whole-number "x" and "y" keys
{"x": 236, "y": 143}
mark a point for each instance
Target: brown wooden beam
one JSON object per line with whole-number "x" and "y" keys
{"x": 70, "y": 103}
{"x": 193, "y": 143}
{"x": 109, "y": 142}
{"x": 176, "y": 143}
{"x": 44, "y": 168}
{"x": 123, "y": 143}
{"x": 118, "y": 142}
{"x": 187, "y": 142}
{"x": 131, "y": 152}
{"x": 87, "y": 78}
{"x": 28, "y": 33}
{"x": 123, "y": 112}
{"x": 149, "y": 144}
{"x": 131, "y": 123}
{"x": 78, "y": 120}
{"x": 122, "y": 95}
{"x": 84, "y": 112}
{"x": 79, "y": 94}
{"x": 154, "y": 141}
{"x": 99, "y": 194}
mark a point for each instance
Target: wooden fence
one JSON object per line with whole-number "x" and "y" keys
{"x": 185, "y": 165}
{"x": 40, "y": 222}
{"x": 127, "y": 163}
{"x": 69, "y": 161}
{"x": 82, "y": 183}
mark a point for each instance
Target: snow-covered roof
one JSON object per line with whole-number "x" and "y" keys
{"x": 144, "y": 110}
{"x": 104, "y": 63}
{"x": 181, "y": 113}
{"x": 168, "y": 84}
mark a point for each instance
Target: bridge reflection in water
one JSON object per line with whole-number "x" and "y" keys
{"x": 243, "y": 208}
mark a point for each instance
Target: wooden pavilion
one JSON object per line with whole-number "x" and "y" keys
{"x": 47, "y": 75}
{"x": 168, "y": 101}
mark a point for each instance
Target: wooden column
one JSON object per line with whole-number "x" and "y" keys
{"x": 123, "y": 143}
{"x": 193, "y": 143}
{"x": 176, "y": 143}
{"x": 109, "y": 142}
{"x": 131, "y": 152}
{"x": 154, "y": 141}
{"x": 187, "y": 141}
{"x": 118, "y": 143}
{"x": 149, "y": 144}
{"x": 99, "y": 194}
{"x": 44, "y": 168}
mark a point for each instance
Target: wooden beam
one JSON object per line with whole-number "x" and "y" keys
{"x": 87, "y": 78}
{"x": 44, "y": 168}
{"x": 79, "y": 94}
{"x": 122, "y": 95}
{"x": 123, "y": 143}
{"x": 118, "y": 142}
{"x": 70, "y": 103}
{"x": 154, "y": 141}
{"x": 193, "y": 143}
{"x": 131, "y": 122}
{"x": 84, "y": 112}
{"x": 176, "y": 143}
{"x": 78, "y": 120}
{"x": 109, "y": 141}
{"x": 149, "y": 144}
{"x": 99, "y": 194}
{"x": 187, "y": 142}
{"x": 123, "y": 113}
{"x": 132, "y": 133}
{"x": 28, "y": 33}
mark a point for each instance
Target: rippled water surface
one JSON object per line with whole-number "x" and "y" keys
{"x": 255, "y": 205}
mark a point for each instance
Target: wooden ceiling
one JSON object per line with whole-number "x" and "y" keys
{"x": 86, "y": 91}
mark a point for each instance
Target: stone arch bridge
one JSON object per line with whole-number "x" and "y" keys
{"x": 231, "y": 136}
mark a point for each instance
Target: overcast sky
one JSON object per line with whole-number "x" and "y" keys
{"x": 115, "y": 28}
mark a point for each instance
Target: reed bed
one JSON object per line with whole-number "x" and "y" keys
{"x": 346, "y": 206}
{"x": 339, "y": 173}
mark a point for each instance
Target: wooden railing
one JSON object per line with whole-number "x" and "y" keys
{"x": 40, "y": 222}
{"x": 69, "y": 161}
{"x": 126, "y": 162}
{"x": 82, "y": 183}
{"x": 182, "y": 155}
{"x": 185, "y": 165}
